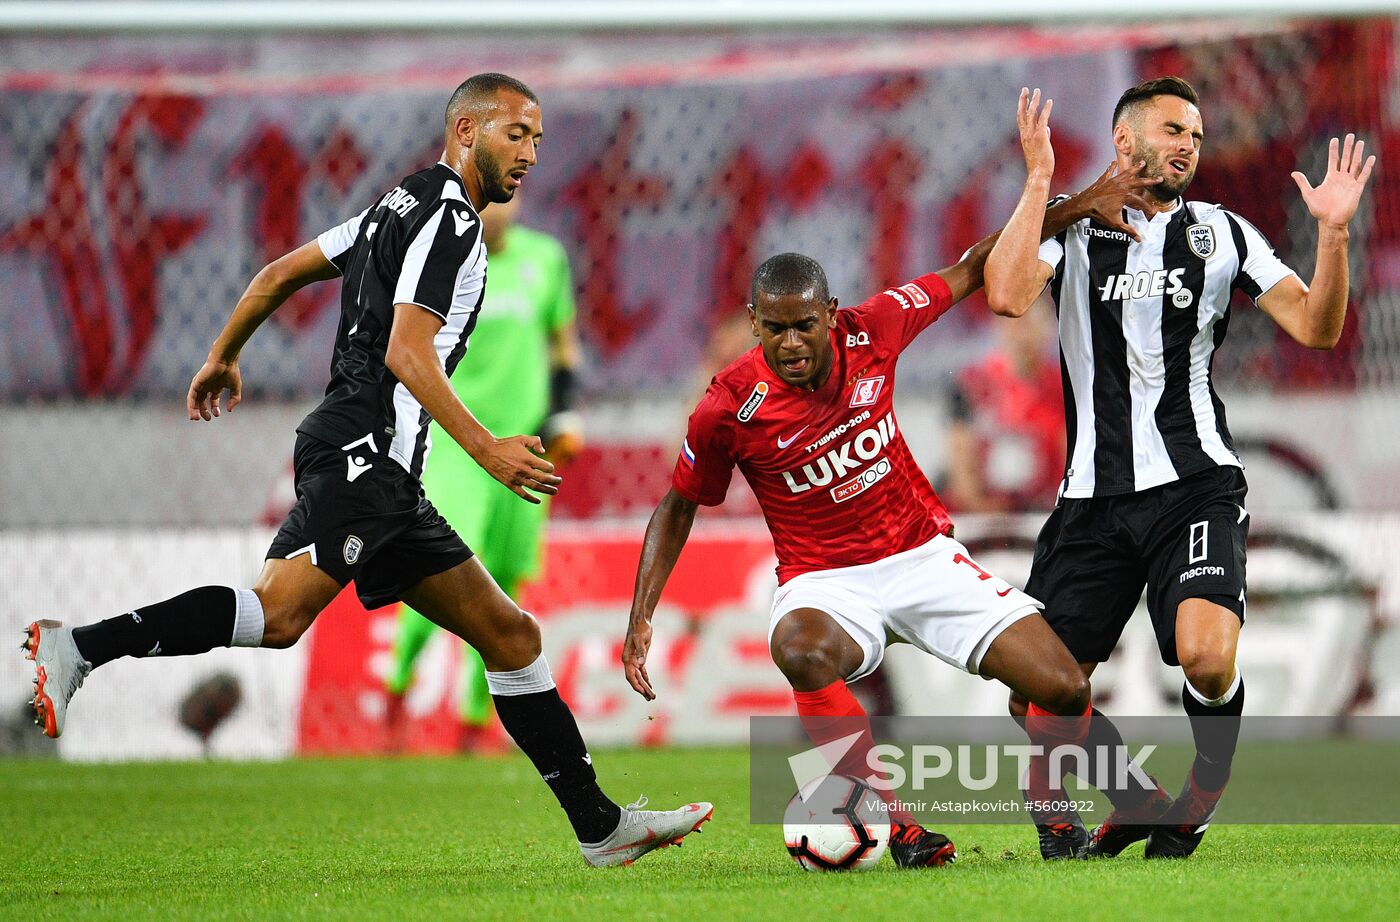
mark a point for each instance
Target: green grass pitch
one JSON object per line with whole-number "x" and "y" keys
{"x": 483, "y": 838}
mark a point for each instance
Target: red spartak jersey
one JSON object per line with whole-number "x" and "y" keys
{"x": 830, "y": 468}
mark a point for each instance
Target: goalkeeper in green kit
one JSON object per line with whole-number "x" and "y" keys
{"x": 517, "y": 376}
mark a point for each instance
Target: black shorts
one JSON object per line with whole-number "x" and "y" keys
{"x": 362, "y": 517}
{"x": 1183, "y": 540}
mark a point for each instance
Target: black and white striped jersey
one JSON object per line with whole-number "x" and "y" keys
{"x": 1139, "y": 324}
{"x": 419, "y": 244}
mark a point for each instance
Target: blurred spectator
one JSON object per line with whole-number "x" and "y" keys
{"x": 1006, "y": 444}
{"x": 730, "y": 338}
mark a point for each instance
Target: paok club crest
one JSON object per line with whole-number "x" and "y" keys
{"x": 1201, "y": 239}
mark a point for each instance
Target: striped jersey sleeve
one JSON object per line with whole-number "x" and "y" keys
{"x": 1052, "y": 249}
{"x": 336, "y": 242}
{"x": 1052, "y": 252}
{"x": 1260, "y": 268}
{"x": 434, "y": 258}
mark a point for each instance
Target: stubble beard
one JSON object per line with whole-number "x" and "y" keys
{"x": 1168, "y": 190}
{"x": 493, "y": 179}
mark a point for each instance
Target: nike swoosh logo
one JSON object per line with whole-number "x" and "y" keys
{"x": 647, "y": 839}
{"x": 462, "y": 221}
{"x": 784, "y": 443}
{"x": 1005, "y": 592}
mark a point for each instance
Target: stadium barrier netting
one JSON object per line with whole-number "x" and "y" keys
{"x": 143, "y": 180}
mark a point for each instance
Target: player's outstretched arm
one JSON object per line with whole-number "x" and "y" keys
{"x": 515, "y": 460}
{"x": 1018, "y": 269}
{"x": 666, "y": 535}
{"x": 269, "y": 290}
{"x": 1314, "y": 315}
{"x": 1103, "y": 200}
{"x": 1014, "y": 275}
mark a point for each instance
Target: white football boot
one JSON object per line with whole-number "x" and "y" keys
{"x": 641, "y": 831}
{"x": 59, "y": 672}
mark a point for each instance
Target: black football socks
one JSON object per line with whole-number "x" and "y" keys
{"x": 193, "y": 622}
{"x": 1117, "y": 786}
{"x": 1216, "y": 728}
{"x": 544, "y": 728}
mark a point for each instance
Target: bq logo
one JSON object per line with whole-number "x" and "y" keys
{"x": 750, "y": 407}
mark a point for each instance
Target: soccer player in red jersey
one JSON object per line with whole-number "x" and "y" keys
{"x": 864, "y": 545}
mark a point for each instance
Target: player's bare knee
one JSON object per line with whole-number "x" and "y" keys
{"x": 286, "y": 616}
{"x": 527, "y": 640}
{"x": 1070, "y": 694}
{"x": 283, "y": 626}
{"x": 1209, "y": 675}
{"x": 515, "y": 642}
{"x": 807, "y": 666}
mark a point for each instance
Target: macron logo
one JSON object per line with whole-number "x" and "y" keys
{"x": 355, "y": 466}
{"x": 462, "y": 221}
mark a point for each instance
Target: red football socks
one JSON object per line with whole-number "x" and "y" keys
{"x": 1048, "y": 731}
{"x": 832, "y": 713}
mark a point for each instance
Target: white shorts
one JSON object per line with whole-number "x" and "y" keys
{"x": 932, "y": 596}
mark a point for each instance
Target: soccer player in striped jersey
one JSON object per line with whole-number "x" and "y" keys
{"x": 1153, "y": 493}
{"x": 518, "y": 377}
{"x": 864, "y": 545}
{"x": 414, "y": 270}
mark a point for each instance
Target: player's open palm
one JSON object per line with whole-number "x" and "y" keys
{"x": 1333, "y": 201}
{"x": 515, "y": 461}
{"x": 1033, "y": 121}
{"x": 634, "y": 658}
{"x": 208, "y": 386}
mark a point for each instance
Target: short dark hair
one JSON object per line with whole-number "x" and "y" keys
{"x": 475, "y": 90}
{"x": 1158, "y": 86}
{"x": 789, "y": 274}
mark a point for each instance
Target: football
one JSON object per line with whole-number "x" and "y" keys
{"x": 836, "y": 823}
